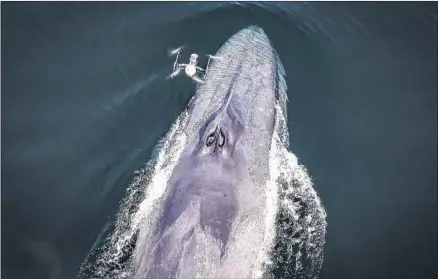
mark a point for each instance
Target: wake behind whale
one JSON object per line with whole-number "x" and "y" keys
{"x": 222, "y": 197}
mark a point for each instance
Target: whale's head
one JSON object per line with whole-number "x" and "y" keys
{"x": 235, "y": 108}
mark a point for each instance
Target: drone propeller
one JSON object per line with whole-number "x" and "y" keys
{"x": 176, "y": 50}
{"x": 215, "y": 57}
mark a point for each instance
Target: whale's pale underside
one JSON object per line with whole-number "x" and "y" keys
{"x": 223, "y": 197}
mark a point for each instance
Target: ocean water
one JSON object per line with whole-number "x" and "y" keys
{"x": 85, "y": 101}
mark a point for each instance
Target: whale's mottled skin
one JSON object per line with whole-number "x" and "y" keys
{"x": 211, "y": 220}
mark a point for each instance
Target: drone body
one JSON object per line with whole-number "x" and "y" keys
{"x": 191, "y": 69}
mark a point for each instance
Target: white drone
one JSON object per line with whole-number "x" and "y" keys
{"x": 192, "y": 68}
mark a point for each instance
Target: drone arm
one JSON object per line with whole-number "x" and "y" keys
{"x": 200, "y": 69}
{"x": 208, "y": 63}
{"x": 209, "y": 59}
{"x": 175, "y": 64}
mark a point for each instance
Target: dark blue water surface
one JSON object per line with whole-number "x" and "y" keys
{"x": 84, "y": 100}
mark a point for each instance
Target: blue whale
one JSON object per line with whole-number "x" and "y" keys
{"x": 216, "y": 194}
{"x": 223, "y": 197}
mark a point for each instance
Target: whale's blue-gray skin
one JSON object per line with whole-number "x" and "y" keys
{"x": 216, "y": 193}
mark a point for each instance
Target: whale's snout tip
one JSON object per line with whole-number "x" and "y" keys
{"x": 253, "y": 30}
